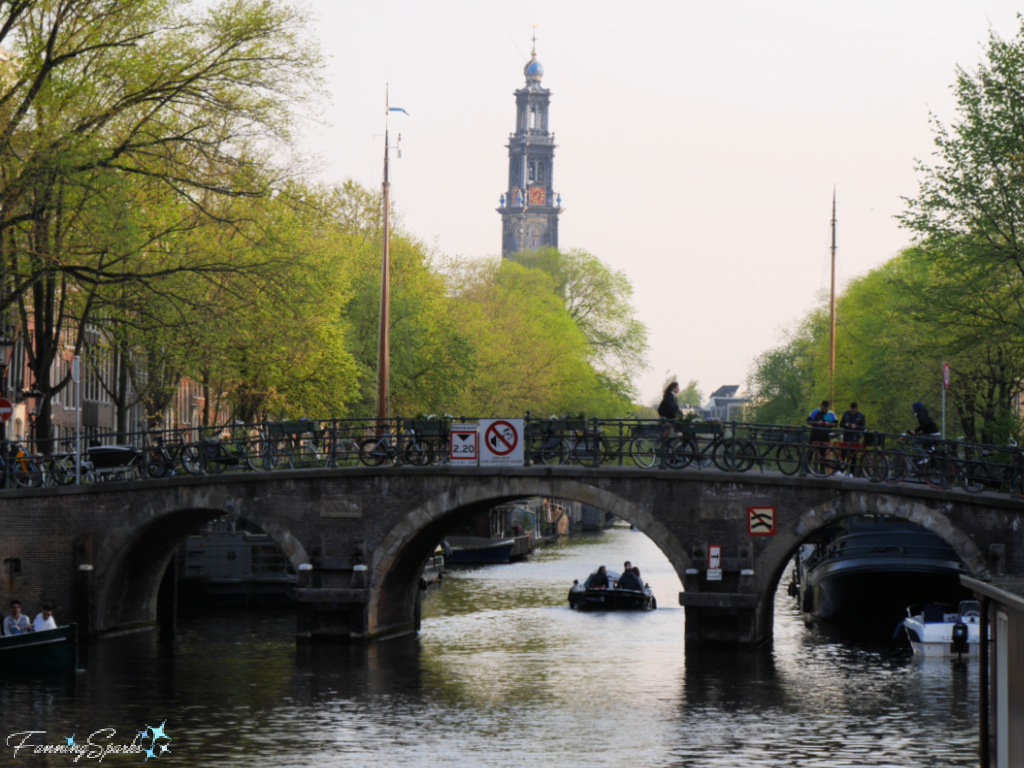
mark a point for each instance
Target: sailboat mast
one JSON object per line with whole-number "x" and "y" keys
{"x": 832, "y": 312}
{"x": 383, "y": 353}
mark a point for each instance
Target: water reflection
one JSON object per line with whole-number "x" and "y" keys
{"x": 504, "y": 674}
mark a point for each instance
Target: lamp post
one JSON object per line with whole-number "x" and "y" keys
{"x": 7, "y": 344}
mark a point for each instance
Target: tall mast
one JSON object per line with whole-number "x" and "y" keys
{"x": 383, "y": 354}
{"x": 832, "y": 312}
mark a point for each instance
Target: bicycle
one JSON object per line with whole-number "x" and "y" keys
{"x": 338, "y": 451}
{"x": 928, "y": 462}
{"x": 776, "y": 448}
{"x": 393, "y": 449}
{"x": 590, "y": 447}
{"x": 976, "y": 474}
{"x": 728, "y": 454}
{"x": 161, "y": 460}
{"x": 238, "y": 451}
{"x": 60, "y": 468}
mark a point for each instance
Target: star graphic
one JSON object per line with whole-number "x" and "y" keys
{"x": 149, "y": 753}
{"x": 71, "y": 741}
{"x": 164, "y": 749}
{"x": 158, "y": 733}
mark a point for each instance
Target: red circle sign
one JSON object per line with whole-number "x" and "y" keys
{"x": 6, "y": 409}
{"x": 945, "y": 375}
{"x": 501, "y": 438}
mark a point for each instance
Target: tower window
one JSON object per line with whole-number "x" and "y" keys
{"x": 533, "y": 118}
{"x": 540, "y": 170}
{"x": 533, "y": 172}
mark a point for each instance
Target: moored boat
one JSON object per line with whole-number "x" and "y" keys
{"x": 50, "y": 650}
{"x": 583, "y": 597}
{"x": 936, "y": 630}
{"x": 871, "y": 570}
{"x": 466, "y": 550}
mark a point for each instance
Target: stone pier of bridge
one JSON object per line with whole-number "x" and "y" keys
{"x": 359, "y": 537}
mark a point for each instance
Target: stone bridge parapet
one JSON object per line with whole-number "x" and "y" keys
{"x": 100, "y": 552}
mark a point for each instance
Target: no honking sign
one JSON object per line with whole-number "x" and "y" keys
{"x": 501, "y": 442}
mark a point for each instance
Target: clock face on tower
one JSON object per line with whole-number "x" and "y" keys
{"x": 537, "y": 195}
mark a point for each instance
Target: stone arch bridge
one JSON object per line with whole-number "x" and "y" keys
{"x": 99, "y": 552}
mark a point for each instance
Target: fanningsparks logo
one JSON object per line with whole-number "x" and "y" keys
{"x": 97, "y": 746}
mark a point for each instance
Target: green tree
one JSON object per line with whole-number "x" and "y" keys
{"x": 599, "y": 301}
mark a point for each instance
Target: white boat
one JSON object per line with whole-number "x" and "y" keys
{"x": 937, "y": 631}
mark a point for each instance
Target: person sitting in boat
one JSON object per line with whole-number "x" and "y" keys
{"x": 16, "y": 622}
{"x": 626, "y": 566}
{"x": 44, "y": 620}
{"x": 598, "y": 580}
{"x": 629, "y": 580}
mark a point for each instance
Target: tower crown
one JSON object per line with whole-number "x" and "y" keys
{"x": 530, "y": 207}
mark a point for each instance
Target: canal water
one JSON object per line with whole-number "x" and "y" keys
{"x": 504, "y": 674}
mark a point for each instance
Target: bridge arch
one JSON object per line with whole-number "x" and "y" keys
{"x": 398, "y": 560}
{"x": 132, "y": 559}
{"x": 773, "y": 560}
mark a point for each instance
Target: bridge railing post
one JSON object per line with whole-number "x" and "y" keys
{"x": 663, "y": 438}
{"x": 527, "y": 452}
{"x": 801, "y": 451}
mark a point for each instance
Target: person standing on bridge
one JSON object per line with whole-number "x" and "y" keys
{"x": 669, "y": 408}
{"x": 854, "y": 425}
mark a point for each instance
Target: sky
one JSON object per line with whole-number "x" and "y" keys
{"x": 698, "y": 143}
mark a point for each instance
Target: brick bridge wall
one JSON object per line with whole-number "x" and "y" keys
{"x": 390, "y": 520}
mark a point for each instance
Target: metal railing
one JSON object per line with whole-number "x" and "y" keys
{"x": 654, "y": 444}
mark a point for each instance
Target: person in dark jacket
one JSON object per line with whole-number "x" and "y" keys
{"x": 599, "y": 580}
{"x": 669, "y": 408}
{"x": 629, "y": 580}
{"x": 926, "y": 426}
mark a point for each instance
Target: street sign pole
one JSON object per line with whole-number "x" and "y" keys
{"x": 76, "y": 375}
{"x": 945, "y": 386}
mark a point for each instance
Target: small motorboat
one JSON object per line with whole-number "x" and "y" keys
{"x": 584, "y": 598}
{"x": 50, "y": 650}
{"x": 467, "y": 550}
{"x": 937, "y": 630}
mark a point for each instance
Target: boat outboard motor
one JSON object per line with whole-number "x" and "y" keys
{"x": 959, "y": 638}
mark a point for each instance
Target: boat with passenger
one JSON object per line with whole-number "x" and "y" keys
{"x": 591, "y": 595}
{"x": 48, "y": 650}
{"x": 942, "y": 631}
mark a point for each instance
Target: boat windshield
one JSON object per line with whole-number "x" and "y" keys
{"x": 970, "y": 609}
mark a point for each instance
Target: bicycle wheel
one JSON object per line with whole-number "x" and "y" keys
{"x": 249, "y": 457}
{"x": 418, "y": 453}
{"x": 896, "y": 468}
{"x": 938, "y": 472}
{"x": 734, "y": 455}
{"x": 787, "y": 459}
{"x": 873, "y": 465}
{"x": 700, "y": 453}
{"x": 555, "y": 451}
{"x": 970, "y": 475}
{"x": 305, "y": 456}
{"x": 26, "y": 474}
{"x": 372, "y": 452}
{"x": 586, "y": 450}
{"x": 822, "y": 461}
{"x": 214, "y": 462}
{"x": 678, "y": 452}
{"x": 346, "y": 453}
{"x": 190, "y": 460}
{"x": 642, "y": 452}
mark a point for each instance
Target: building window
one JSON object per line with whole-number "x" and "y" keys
{"x": 540, "y": 171}
{"x": 533, "y": 172}
{"x": 12, "y": 566}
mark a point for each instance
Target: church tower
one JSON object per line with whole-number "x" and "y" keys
{"x": 530, "y": 207}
